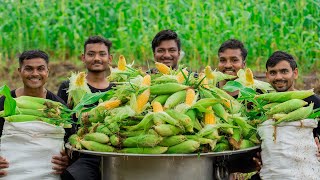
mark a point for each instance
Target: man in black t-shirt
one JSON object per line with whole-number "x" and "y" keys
{"x": 34, "y": 71}
{"x": 97, "y": 59}
{"x": 282, "y": 71}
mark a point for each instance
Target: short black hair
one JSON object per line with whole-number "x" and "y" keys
{"x": 278, "y": 56}
{"x": 98, "y": 39}
{"x": 234, "y": 44}
{"x": 165, "y": 35}
{"x": 31, "y": 54}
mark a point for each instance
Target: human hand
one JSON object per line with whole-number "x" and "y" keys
{"x": 258, "y": 161}
{"x": 60, "y": 162}
{"x": 3, "y": 164}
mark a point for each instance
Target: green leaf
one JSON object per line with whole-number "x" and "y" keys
{"x": 232, "y": 86}
{"x": 89, "y": 99}
{"x": 9, "y": 102}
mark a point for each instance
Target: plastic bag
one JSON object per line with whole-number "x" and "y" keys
{"x": 29, "y": 147}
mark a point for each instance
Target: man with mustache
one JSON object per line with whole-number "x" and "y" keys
{"x": 166, "y": 48}
{"x": 282, "y": 71}
{"x": 232, "y": 57}
{"x": 97, "y": 59}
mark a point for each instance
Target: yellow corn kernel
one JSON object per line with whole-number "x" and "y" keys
{"x": 157, "y": 107}
{"x": 146, "y": 80}
{"x": 111, "y": 104}
{"x": 208, "y": 72}
{"x": 80, "y": 80}
{"x": 142, "y": 100}
{"x": 180, "y": 76}
{"x": 164, "y": 69}
{"x": 190, "y": 97}
{"x": 122, "y": 63}
{"x": 209, "y": 117}
{"x": 249, "y": 77}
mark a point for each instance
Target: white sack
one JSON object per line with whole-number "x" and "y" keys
{"x": 29, "y": 147}
{"x": 289, "y": 150}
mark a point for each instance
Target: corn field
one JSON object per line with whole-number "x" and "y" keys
{"x": 61, "y": 27}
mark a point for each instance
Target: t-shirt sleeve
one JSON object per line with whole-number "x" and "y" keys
{"x": 62, "y": 92}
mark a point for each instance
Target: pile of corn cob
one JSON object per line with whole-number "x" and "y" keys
{"x": 29, "y": 108}
{"x": 176, "y": 112}
{"x": 170, "y": 112}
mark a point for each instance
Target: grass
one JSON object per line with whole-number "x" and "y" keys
{"x": 61, "y": 27}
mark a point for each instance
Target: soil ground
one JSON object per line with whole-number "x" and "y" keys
{"x": 61, "y": 71}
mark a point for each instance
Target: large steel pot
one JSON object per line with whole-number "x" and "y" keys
{"x": 202, "y": 166}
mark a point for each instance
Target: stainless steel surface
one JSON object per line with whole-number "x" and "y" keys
{"x": 202, "y": 166}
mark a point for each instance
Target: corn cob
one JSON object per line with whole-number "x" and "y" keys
{"x": 165, "y": 117}
{"x": 113, "y": 127}
{"x": 246, "y": 128}
{"x": 287, "y": 106}
{"x": 173, "y": 140}
{"x": 165, "y": 130}
{"x": 181, "y": 76}
{"x": 142, "y": 100}
{"x": 95, "y": 146}
{"x": 162, "y": 68}
{"x": 131, "y": 133}
{"x": 278, "y": 116}
{"x": 144, "y": 140}
{"x": 110, "y": 104}
{"x": 182, "y": 118}
{"x": 78, "y": 87}
{"x": 143, "y": 123}
{"x": 246, "y": 144}
{"x": 145, "y": 150}
{"x": 104, "y": 129}
{"x": 221, "y": 147}
{"x": 185, "y": 147}
{"x": 298, "y": 114}
{"x": 97, "y": 137}
{"x": 74, "y": 140}
{"x": 157, "y": 107}
{"x": 190, "y": 97}
{"x": 195, "y": 122}
{"x": 114, "y": 140}
{"x": 249, "y": 77}
{"x": 146, "y": 80}
{"x": 284, "y": 96}
{"x": 166, "y": 88}
{"x": 212, "y": 143}
{"x": 26, "y": 118}
{"x": 161, "y": 99}
{"x": 208, "y": 72}
{"x": 209, "y": 117}
{"x": 174, "y": 99}
{"x": 122, "y": 63}
{"x": 234, "y": 140}
{"x": 269, "y": 106}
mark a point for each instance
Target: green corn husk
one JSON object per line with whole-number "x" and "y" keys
{"x": 195, "y": 122}
{"x": 185, "y": 147}
{"x": 182, "y": 118}
{"x": 145, "y": 150}
{"x": 165, "y": 130}
{"x": 97, "y": 137}
{"x": 104, "y": 129}
{"x": 95, "y": 146}
{"x": 221, "y": 147}
{"x": 173, "y": 140}
{"x": 296, "y": 115}
{"x": 74, "y": 140}
{"x": 131, "y": 133}
{"x": 161, "y": 99}
{"x": 144, "y": 140}
{"x": 246, "y": 144}
{"x": 285, "y": 96}
{"x": 143, "y": 123}
{"x": 163, "y": 116}
{"x": 287, "y": 106}
{"x": 167, "y": 88}
{"x": 175, "y": 99}
{"x": 115, "y": 140}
